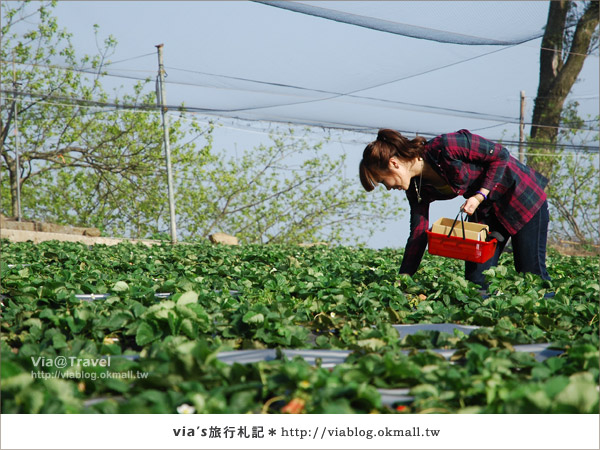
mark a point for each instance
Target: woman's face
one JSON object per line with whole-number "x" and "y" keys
{"x": 398, "y": 174}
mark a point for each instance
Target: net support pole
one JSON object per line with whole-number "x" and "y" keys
{"x": 162, "y": 103}
{"x": 16, "y": 127}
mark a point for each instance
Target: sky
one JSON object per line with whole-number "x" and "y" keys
{"x": 248, "y": 64}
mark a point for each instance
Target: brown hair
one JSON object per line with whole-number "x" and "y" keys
{"x": 377, "y": 154}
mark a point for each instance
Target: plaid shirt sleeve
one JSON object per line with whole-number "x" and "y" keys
{"x": 417, "y": 241}
{"x": 473, "y": 156}
{"x": 470, "y": 162}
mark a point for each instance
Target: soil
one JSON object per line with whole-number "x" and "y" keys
{"x": 574, "y": 249}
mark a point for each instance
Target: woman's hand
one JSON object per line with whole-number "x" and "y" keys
{"x": 473, "y": 202}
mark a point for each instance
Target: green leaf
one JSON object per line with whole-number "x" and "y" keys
{"x": 33, "y": 322}
{"x": 17, "y": 383}
{"x": 118, "y": 320}
{"x": 188, "y": 328}
{"x": 253, "y": 317}
{"x": 187, "y": 298}
{"x": 555, "y": 385}
{"x": 372, "y": 344}
{"x": 9, "y": 369}
{"x": 145, "y": 334}
{"x": 369, "y": 393}
{"x": 120, "y": 286}
{"x": 174, "y": 321}
{"x": 581, "y": 394}
{"x": 540, "y": 399}
{"x": 425, "y": 390}
{"x": 159, "y": 311}
{"x": 59, "y": 341}
{"x": 341, "y": 406}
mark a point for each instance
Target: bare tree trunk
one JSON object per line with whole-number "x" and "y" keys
{"x": 550, "y": 64}
{"x": 10, "y": 162}
{"x": 559, "y": 69}
{"x": 12, "y": 179}
{"x": 14, "y": 203}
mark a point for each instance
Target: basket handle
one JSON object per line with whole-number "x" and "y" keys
{"x": 462, "y": 222}
{"x": 487, "y": 234}
{"x": 487, "y": 231}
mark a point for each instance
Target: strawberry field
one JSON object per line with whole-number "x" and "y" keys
{"x": 144, "y": 330}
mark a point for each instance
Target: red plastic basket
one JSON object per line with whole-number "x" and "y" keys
{"x": 460, "y": 247}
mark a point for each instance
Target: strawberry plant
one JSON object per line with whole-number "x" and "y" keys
{"x": 163, "y": 314}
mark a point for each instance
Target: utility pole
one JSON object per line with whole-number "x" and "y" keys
{"x": 16, "y": 125}
{"x": 161, "y": 99}
{"x": 522, "y": 129}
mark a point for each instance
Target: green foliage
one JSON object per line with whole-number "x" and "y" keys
{"x": 574, "y": 188}
{"x": 287, "y": 192}
{"x": 85, "y": 162}
{"x": 285, "y": 296}
{"x": 82, "y": 162}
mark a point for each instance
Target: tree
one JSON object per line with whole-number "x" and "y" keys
{"x": 575, "y": 189}
{"x": 290, "y": 191}
{"x": 569, "y": 37}
{"x": 87, "y": 159}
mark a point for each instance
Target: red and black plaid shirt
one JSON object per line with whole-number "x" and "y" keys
{"x": 468, "y": 163}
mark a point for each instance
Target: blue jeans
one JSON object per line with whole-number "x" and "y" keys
{"x": 529, "y": 247}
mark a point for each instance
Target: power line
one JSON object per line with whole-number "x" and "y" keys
{"x": 250, "y": 80}
{"x": 280, "y": 119}
{"x": 532, "y": 144}
{"x": 503, "y": 142}
{"x": 247, "y": 129}
{"x": 570, "y": 53}
{"x": 85, "y": 70}
{"x": 110, "y": 63}
{"x": 333, "y": 94}
{"x": 70, "y": 101}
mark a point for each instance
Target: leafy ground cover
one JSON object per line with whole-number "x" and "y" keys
{"x": 275, "y": 296}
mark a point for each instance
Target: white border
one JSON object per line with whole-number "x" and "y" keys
{"x": 305, "y": 431}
